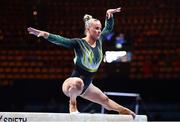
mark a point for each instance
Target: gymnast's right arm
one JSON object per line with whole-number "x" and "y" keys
{"x": 56, "y": 39}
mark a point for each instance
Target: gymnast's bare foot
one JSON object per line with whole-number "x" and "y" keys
{"x": 73, "y": 107}
{"x": 128, "y": 112}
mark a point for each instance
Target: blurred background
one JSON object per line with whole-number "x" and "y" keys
{"x": 145, "y": 45}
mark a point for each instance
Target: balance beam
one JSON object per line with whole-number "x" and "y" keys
{"x": 66, "y": 117}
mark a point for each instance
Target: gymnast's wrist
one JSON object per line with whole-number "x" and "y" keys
{"x": 46, "y": 35}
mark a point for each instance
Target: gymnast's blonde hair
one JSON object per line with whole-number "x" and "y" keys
{"x": 88, "y": 19}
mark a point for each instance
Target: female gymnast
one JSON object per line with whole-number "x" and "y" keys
{"x": 88, "y": 56}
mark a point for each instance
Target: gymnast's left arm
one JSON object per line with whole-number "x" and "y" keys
{"x": 109, "y": 22}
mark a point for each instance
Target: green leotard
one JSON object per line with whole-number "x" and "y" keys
{"x": 86, "y": 57}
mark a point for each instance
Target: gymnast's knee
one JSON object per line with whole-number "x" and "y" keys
{"x": 105, "y": 102}
{"x": 72, "y": 86}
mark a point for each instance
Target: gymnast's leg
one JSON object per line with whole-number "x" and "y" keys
{"x": 72, "y": 87}
{"x": 94, "y": 94}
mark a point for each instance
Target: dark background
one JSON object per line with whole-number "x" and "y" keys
{"x": 32, "y": 69}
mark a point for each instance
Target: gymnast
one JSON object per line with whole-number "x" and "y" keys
{"x": 88, "y": 56}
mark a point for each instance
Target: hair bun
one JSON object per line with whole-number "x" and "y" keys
{"x": 87, "y": 17}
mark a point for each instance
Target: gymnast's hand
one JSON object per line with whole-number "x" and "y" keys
{"x": 37, "y": 32}
{"x": 110, "y": 12}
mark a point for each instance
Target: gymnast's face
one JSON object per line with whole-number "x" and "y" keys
{"x": 95, "y": 29}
